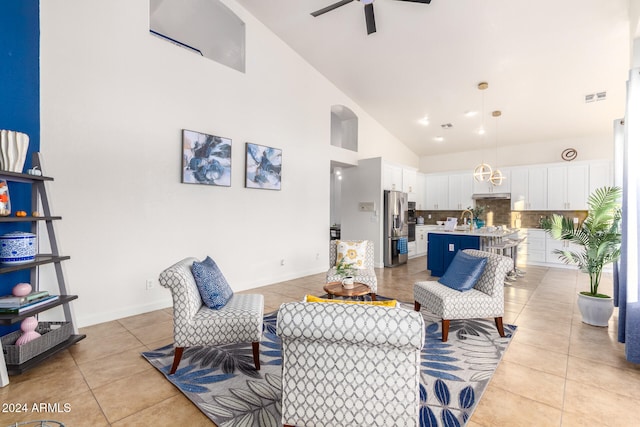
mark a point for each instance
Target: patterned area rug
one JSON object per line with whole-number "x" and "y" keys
{"x": 224, "y": 385}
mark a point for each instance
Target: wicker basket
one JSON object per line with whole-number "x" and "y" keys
{"x": 53, "y": 333}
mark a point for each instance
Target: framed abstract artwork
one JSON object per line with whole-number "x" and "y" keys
{"x": 263, "y": 167}
{"x": 206, "y": 159}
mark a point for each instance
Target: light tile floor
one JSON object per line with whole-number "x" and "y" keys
{"x": 557, "y": 371}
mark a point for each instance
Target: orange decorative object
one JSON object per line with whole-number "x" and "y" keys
{"x": 21, "y": 213}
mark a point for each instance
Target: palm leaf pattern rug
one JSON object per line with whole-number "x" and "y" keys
{"x": 225, "y": 386}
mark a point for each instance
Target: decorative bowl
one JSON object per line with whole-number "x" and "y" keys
{"x": 17, "y": 247}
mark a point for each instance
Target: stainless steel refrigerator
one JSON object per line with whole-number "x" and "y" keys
{"x": 396, "y": 229}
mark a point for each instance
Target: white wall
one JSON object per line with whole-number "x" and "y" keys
{"x": 589, "y": 148}
{"x": 113, "y": 102}
{"x": 363, "y": 184}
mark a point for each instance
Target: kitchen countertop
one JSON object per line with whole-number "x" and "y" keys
{"x": 480, "y": 232}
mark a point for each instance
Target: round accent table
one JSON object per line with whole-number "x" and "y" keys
{"x": 335, "y": 289}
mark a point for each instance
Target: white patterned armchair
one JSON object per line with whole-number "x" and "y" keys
{"x": 350, "y": 365}
{"x": 195, "y": 324}
{"x": 485, "y": 299}
{"x": 366, "y": 275}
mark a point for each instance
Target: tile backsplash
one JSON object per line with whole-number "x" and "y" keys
{"x": 498, "y": 212}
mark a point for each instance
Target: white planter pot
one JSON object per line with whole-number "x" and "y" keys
{"x": 595, "y": 311}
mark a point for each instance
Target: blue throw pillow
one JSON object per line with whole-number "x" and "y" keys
{"x": 214, "y": 288}
{"x": 463, "y": 272}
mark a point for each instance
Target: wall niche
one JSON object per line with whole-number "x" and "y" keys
{"x": 344, "y": 128}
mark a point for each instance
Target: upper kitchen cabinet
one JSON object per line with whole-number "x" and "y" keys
{"x": 486, "y": 187}
{"x": 528, "y": 188}
{"x": 399, "y": 178}
{"x": 392, "y": 177}
{"x": 460, "y": 191}
{"x": 600, "y": 175}
{"x": 409, "y": 180}
{"x": 437, "y": 192}
{"x": 567, "y": 187}
{"x": 419, "y": 195}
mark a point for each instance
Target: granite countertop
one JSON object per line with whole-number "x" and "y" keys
{"x": 480, "y": 232}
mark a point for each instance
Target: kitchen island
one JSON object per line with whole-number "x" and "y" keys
{"x": 443, "y": 245}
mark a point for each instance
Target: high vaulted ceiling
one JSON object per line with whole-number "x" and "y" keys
{"x": 540, "y": 59}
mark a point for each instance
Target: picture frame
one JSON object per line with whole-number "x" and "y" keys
{"x": 206, "y": 159}
{"x": 263, "y": 167}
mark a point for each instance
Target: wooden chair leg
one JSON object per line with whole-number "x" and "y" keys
{"x": 416, "y": 306}
{"x": 373, "y": 296}
{"x": 445, "y": 330}
{"x": 256, "y": 354}
{"x": 499, "y": 326}
{"x": 176, "y": 359}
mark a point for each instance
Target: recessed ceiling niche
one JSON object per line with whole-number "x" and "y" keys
{"x": 205, "y": 27}
{"x": 344, "y": 128}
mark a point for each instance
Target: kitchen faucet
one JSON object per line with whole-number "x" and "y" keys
{"x": 470, "y": 219}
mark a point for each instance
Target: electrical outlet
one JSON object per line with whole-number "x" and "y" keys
{"x": 282, "y": 262}
{"x": 149, "y": 284}
{"x": 576, "y": 220}
{"x": 317, "y": 256}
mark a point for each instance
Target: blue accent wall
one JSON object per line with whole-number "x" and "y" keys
{"x": 20, "y": 101}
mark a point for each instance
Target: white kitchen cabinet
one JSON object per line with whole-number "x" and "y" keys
{"x": 600, "y": 175}
{"x": 437, "y": 192}
{"x": 409, "y": 177}
{"x": 411, "y": 248}
{"x": 421, "y": 240}
{"x": 486, "y": 187}
{"x": 533, "y": 248}
{"x": 528, "y": 188}
{"x": 567, "y": 187}
{"x": 460, "y": 191}
{"x": 563, "y": 245}
{"x": 420, "y": 191}
{"x": 392, "y": 177}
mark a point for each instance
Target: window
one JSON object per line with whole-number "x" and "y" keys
{"x": 205, "y": 27}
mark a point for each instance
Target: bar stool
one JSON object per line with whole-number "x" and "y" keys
{"x": 506, "y": 247}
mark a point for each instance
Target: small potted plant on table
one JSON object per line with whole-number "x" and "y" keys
{"x": 599, "y": 239}
{"x": 345, "y": 270}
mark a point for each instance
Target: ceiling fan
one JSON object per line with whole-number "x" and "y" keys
{"x": 368, "y": 11}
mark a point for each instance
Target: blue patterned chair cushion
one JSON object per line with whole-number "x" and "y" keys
{"x": 214, "y": 288}
{"x": 463, "y": 272}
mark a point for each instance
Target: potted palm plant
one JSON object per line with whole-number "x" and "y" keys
{"x": 598, "y": 239}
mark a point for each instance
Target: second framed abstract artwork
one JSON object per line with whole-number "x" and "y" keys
{"x": 206, "y": 159}
{"x": 263, "y": 167}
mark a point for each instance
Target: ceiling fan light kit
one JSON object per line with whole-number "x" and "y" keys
{"x": 369, "y": 15}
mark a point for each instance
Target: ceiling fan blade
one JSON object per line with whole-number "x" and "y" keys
{"x": 331, "y": 7}
{"x": 418, "y": 1}
{"x": 371, "y": 20}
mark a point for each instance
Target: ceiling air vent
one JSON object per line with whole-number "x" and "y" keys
{"x": 599, "y": 96}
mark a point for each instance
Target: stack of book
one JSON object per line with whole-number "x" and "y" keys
{"x": 10, "y": 304}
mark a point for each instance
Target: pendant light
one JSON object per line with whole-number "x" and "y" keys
{"x": 483, "y": 171}
{"x": 496, "y": 177}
